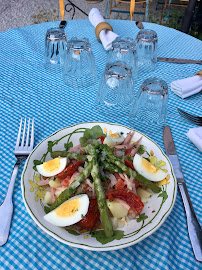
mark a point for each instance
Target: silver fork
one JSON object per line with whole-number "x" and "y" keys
{"x": 22, "y": 149}
{"x": 197, "y": 120}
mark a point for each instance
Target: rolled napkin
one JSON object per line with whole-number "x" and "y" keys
{"x": 195, "y": 136}
{"x": 188, "y": 86}
{"x": 106, "y": 36}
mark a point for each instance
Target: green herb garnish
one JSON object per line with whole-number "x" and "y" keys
{"x": 100, "y": 236}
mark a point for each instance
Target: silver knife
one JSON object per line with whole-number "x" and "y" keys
{"x": 179, "y": 61}
{"x": 194, "y": 228}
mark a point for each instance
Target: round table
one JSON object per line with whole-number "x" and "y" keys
{"x": 28, "y": 90}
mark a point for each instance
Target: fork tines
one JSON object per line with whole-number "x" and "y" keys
{"x": 24, "y": 131}
{"x": 197, "y": 120}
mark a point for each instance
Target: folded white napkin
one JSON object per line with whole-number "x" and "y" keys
{"x": 106, "y": 36}
{"x": 195, "y": 136}
{"x": 188, "y": 86}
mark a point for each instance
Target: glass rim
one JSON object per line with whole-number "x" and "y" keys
{"x": 53, "y": 34}
{"x": 119, "y": 41}
{"x": 148, "y": 32}
{"x": 83, "y": 44}
{"x": 145, "y": 86}
{"x": 117, "y": 75}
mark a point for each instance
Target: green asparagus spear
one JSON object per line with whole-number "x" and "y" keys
{"x": 101, "y": 200}
{"x": 110, "y": 167}
{"x": 70, "y": 155}
{"x": 142, "y": 180}
{"x": 68, "y": 192}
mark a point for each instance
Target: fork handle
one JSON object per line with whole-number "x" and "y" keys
{"x": 6, "y": 209}
{"x": 194, "y": 228}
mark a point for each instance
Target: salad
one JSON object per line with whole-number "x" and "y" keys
{"x": 100, "y": 184}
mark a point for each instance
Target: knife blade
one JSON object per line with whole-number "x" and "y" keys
{"x": 179, "y": 61}
{"x": 194, "y": 228}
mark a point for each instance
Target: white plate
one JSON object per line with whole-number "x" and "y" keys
{"x": 157, "y": 209}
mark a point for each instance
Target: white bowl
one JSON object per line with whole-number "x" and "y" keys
{"x": 157, "y": 209}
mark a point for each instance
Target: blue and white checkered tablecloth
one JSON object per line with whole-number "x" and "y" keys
{"x": 27, "y": 90}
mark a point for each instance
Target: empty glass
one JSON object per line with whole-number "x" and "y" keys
{"x": 148, "y": 113}
{"x": 79, "y": 66}
{"x": 146, "y": 51}
{"x": 55, "y": 49}
{"x": 122, "y": 50}
{"x": 116, "y": 90}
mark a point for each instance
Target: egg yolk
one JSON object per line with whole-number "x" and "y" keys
{"x": 52, "y": 166}
{"x": 68, "y": 208}
{"x": 148, "y": 166}
{"x": 115, "y": 136}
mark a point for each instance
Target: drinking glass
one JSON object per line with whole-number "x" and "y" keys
{"x": 146, "y": 51}
{"x": 148, "y": 113}
{"x": 116, "y": 90}
{"x": 122, "y": 50}
{"x": 55, "y": 49}
{"x": 79, "y": 67}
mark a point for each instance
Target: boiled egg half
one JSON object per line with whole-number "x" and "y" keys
{"x": 113, "y": 139}
{"x": 146, "y": 169}
{"x": 70, "y": 212}
{"x": 52, "y": 167}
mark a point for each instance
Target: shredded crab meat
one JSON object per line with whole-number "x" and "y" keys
{"x": 128, "y": 138}
{"x": 53, "y": 198}
{"x": 44, "y": 182}
{"x": 134, "y": 151}
{"x": 75, "y": 148}
{"x": 113, "y": 181}
{"x": 128, "y": 181}
{"x": 91, "y": 186}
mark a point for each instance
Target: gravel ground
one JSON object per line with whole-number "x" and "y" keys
{"x": 18, "y": 13}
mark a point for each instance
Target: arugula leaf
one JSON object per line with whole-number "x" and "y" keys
{"x": 141, "y": 149}
{"x": 50, "y": 146}
{"x": 83, "y": 141}
{"x": 36, "y": 162}
{"x": 142, "y": 217}
{"x": 100, "y": 236}
{"x": 68, "y": 145}
{"x": 72, "y": 231}
{"x": 164, "y": 195}
{"x": 91, "y": 133}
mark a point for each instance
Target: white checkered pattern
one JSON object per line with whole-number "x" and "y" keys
{"x": 26, "y": 89}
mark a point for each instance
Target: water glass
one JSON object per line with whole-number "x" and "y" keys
{"x": 148, "y": 113}
{"x": 146, "y": 51}
{"x": 79, "y": 67}
{"x": 116, "y": 90}
{"x": 55, "y": 49}
{"x": 122, "y": 50}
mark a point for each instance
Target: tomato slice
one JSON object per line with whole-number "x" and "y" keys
{"x": 130, "y": 198}
{"x": 129, "y": 164}
{"x": 102, "y": 138}
{"x": 66, "y": 181}
{"x": 120, "y": 183}
{"x": 92, "y": 216}
{"x": 68, "y": 171}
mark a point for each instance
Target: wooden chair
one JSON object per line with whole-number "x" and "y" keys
{"x": 131, "y": 7}
{"x": 167, "y": 4}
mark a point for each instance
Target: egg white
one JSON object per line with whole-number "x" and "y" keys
{"x": 155, "y": 177}
{"x": 43, "y": 172}
{"x": 111, "y": 141}
{"x": 59, "y": 221}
